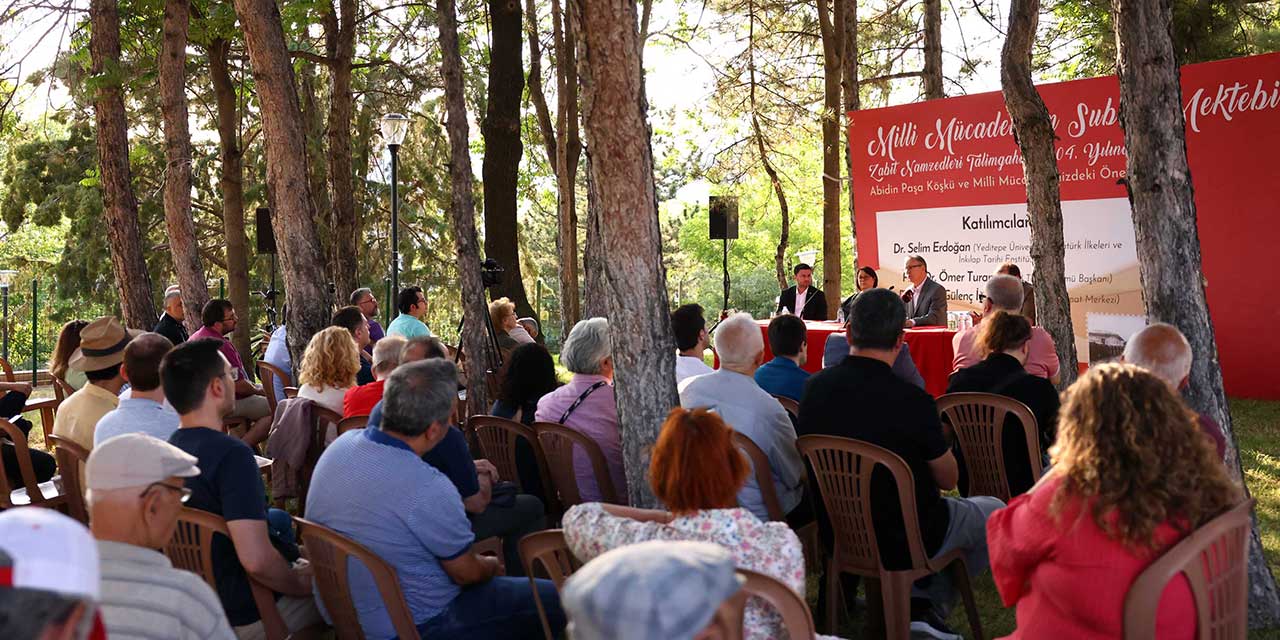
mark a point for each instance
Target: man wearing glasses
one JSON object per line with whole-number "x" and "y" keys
{"x": 363, "y": 298}
{"x": 926, "y": 300}
{"x": 220, "y": 320}
{"x": 136, "y": 492}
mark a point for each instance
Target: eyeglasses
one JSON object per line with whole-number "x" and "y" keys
{"x": 914, "y": 266}
{"x": 186, "y": 493}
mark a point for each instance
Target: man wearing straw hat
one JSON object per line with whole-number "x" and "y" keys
{"x": 101, "y": 351}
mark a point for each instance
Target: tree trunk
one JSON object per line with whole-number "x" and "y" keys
{"x": 536, "y": 94}
{"x": 852, "y": 101}
{"x": 341, "y": 48}
{"x": 183, "y": 249}
{"x": 568, "y": 152}
{"x": 1034, "y": 133}
{"x": 779, "y": 256}
{"x": 932, "y": 74}
{"x": 1168, "y": 242}
{"x": 120, "y": 207}
{"x": 832, "y": 39}
{"x": 622, "y": 168}
{"x": 595, "y": 282}
{"x": 502, "y": 151}
{"x": 318, "y": 170}
{"x": 288, "y": 192}
{"x": 462, "y": 214}
{"x": 231, "y": 184}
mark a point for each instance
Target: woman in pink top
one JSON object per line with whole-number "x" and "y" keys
{"x": 1132, "y": 475}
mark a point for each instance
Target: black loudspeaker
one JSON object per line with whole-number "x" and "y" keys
{"x": 266, "y": 237}
{"x": 724, "y": 217}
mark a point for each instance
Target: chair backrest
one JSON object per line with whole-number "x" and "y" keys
{"x": 763, "y": 474}
{"x": 790, "y": 405}
{"x": 330, "y": 554}
{"x": 497, "y": 438}
{"x": 290, "y": 392}
{"x": 191, "y": 549}
{"x": 71, "y": 459}
{"x": 7, "y": 370}
{"x": 558, "y": 442}
{"x": 549, "y": 549}
{"x": 61, "y": 389}
{"x": 978, "y": 421}
{"x": 796, "y": 617}
{"x": 1215, "y": 560}
{"x": 25, "y": 470}
{"x": 843, "y": 468}
{"x": 321, "y": 418}
{"x": 354, "y": 422}
{"x": 267, "y": 374}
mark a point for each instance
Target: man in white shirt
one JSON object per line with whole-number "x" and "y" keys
{"x": 690, "y": 329}
{"x": 804, "y": 299}
{"x": 145, "y": 409}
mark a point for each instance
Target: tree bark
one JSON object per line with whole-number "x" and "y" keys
{"x": 120, "y": 207}
{"x": 536, "y": 94}
{"x": 932, "y": 74}
{"x": 288, "y": 192}
{"x": 832, "y": 32}
{"x": 1168, "y": 241}
{"x": 568, "y": 152}
{"x": 1034, "y": 133}
{"x": 503, "y": 149}
{"x": 183, "y": 249}
{"x": 594, "y": 280}
{"x": 852, "y": 101}
{"x": 340, "y": 44}
{"x": 318, "y": 170}
{"x": 231, "y": 184}
{"x": 462, "y": 214}
{"x": 622, "y": 168}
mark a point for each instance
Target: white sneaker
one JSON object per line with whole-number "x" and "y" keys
{"x": 926, "y": 631}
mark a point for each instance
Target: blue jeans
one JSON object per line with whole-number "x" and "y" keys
{"x": 499, "y": 609}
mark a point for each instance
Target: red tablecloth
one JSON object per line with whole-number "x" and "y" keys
{"x": 930, "y": 350}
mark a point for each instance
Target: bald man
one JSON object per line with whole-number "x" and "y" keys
{"x": 1004, "y": 292}
{"x": 1164, "y": 351}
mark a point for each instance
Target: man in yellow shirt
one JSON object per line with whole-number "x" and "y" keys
{"x": 101, "y": 351}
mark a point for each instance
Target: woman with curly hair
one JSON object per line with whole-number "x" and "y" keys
{"x": 329, "y": 367}
{"x": 1132, "y": 476}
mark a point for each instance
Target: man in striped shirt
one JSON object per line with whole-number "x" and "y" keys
{"x": 136, "y": 491}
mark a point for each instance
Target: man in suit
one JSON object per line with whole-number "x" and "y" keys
{"x": 804, "y": 299}
{"x": 926, "y": 300}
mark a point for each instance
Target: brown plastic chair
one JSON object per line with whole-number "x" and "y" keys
{"x": 40, "y": 494}
{"x": 71, "y": 459}
{"x": 352, "y": 423}
{"x": 1215, "y": 560}
{"x": 558, "y": 442}
{"x": 46, "y": 407}
{"x": 497, "y": 439}
{"x": 290, "y": 392}
{"x": 321, "y": 418}
{"x": 191, "y": 549}
{"x": 267, "y": 374}
{"x": 330, "y": 553}
{"x": 843, "y": 468}
{"x": 790, "y": 405}
{"x": 796, "y": 617}
{"x": 978, "y": 422}
{"x": 808, "y": 534}
{"x": 549, "y": 549}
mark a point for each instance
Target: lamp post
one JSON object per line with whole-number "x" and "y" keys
{"x": 394, "y": 126}
{"x": 6, "y": 278}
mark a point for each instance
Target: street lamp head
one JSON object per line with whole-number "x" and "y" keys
{"x": 6, "y": 277}
{"x": 394, "y": 127}
{"x": 807, "y": 257}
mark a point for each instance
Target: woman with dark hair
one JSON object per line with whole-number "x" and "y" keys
{"x": 1132, "y": 475}
{"x": 529, "y": 374}
{"x": 867, "y": 279}
{"x": 68, "y": 342}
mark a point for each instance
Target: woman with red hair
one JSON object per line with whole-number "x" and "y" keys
{"x": 697, "y": 471}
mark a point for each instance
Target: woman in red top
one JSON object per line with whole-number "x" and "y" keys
{"x": 1131, "y": 476}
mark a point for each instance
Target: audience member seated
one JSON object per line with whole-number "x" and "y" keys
{"x": 101, "y": 351}
{"x": 530, "y": 374}
{"x": 144, "y": 410}
{"x": 690, "y": 330}
{"x": 368, "y": 305}
{"x": 586, "y": 404}
{"x": 68, "y": 342}
{"x": 170, "y": 324}
{"x": 278, "y": 355}
{"x": 862, "y": 399}
{"x": 1006, "y": 338}
{"x": 354, "y": 322}
{"x": 1004, "y": 293}
{"x": 219, "y": 320}
{"x": 1161, "y": 349}
{"x": 783, "y": 375}
{"x": 412, "y": 304}
{"x": 1131, "y": 476}
{"x": 697, "y": 472}
{"x": 136, "y": 492}
{"x": 502, "y": 313}
{"x": 837, "y": 349}
{"x": 416, "y": 522}
{"x": 329, "y": 368}
{"x": 654, "y": 591}
{"x": 200, "y": 383}
{"x": 359, "y": 401}
{"x": 527, "y": 331}
{"x": 49, "y": 589}
{"x": 11, "y": 404}
{"x": 733, "y": 393}
{"x": 422, "y": 348}
{"x": 1028, "y": 291}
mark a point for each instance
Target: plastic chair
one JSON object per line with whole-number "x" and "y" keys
{"x": 497, "y": 438}
{"x": 558, "y": 442}
{"x": 790, "y": 405}
{"x": 808, "y": 534}
{"x": 71, "y": 459}
{"x": 978, "y": 422}
{"x": 191, "y": 549}
{"x": 321, "y": 418}
{"x": 267, "y": 374}
{"x": 352, "y": 423}
{"x": 549, "y": 549}
{"x": 39, "y": 494}
{"x": 290, "y": 392}
{"x": 1215, "y": 560}
{"x": 796, "y": 617}
{"x": 330, "y": 553}
{"x": 843, "y": 468}
{"x": 46, "y": 407}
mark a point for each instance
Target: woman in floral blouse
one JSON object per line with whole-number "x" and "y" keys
{"x": 697, "y": 472}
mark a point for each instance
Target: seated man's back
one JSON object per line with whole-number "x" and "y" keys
{"x": 143, "y": 596}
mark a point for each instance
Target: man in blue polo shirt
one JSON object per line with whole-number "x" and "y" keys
{"x": 416, "y": 520}
{"x": 783, "y": 375}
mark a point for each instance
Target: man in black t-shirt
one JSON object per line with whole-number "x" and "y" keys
{"x": 861, "y": 399}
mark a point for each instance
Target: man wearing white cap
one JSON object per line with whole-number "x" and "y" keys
{"x": 48, "y": 576}
{"x": 136, "y": 492}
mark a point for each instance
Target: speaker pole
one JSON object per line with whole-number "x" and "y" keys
{"x": 725, "y": 309}
{"x": 395, "y": 220}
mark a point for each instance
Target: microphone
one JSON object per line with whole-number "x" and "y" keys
{"x": 907, "y": 295}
